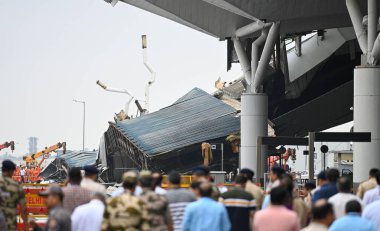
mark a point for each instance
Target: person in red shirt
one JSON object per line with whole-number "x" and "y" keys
{"x": 276, "y": 216}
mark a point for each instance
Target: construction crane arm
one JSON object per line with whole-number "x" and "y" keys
{"x": 7, "y": 145}
{"x": 284, "y": 157}
{"x": 31, "y": 158}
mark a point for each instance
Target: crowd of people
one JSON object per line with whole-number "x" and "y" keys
{"x": 141, "y": 204}
{"x": 27, "y": 174}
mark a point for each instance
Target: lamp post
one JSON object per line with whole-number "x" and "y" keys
{"x": 84, "y": 118}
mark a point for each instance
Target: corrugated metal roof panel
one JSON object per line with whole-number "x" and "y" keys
{"x": 194, "y": 118}
{"x": 80, "y": 158}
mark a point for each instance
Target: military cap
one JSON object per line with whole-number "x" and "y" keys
{"x": 247, "y": 171}
{"x": 322, "y": 175}
{"x": 201, "y": 169}
{"x": 52, "y": 190}
{"x": 145, "y": 173}
{"x": 130, "y": 177}
{"x": 89, "y": 169}
{"x": 9, "y": 165}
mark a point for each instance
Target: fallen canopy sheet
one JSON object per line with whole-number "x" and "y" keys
{"x": 57, "y": 170}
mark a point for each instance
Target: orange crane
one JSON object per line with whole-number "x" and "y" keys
{"x": 285, "y": 157}
{"x": 7, "y": 145}
{"x": 31, "y": 159}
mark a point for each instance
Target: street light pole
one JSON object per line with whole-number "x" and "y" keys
{"x": 84, "y": 120}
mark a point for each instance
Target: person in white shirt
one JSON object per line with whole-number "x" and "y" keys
{"x": 89, "y": 180}
{"x": 89, "y": 217}
{"x": 22, "y": 173}
{"x": 157, "y": 181}
{"x": 340, "y": 199}
{"x": 373, "y": 194}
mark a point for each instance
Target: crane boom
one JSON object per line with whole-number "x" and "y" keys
{"x": 7, "y": 145}
{"x": 31, "y": 158}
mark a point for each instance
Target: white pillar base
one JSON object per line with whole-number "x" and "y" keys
{"x": 254, "y": 123}
{"x": 366, "y": 119}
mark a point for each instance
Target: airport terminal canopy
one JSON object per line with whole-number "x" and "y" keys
{"x": 221, "y": 18}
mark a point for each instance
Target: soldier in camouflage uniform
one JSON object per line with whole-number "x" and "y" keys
{"x": 11, "y": 195}
{"x": 126, "y": 212}
{"x": 158, "y": 206}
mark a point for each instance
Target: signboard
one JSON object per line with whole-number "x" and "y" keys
{"x": 34, "y": 202}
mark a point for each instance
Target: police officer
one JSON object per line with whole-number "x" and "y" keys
{"x": 126, "y": 212}
{"x": 59, "y": 218}
{"x": 89, "y": 180}
{"x": 11, "y": 194}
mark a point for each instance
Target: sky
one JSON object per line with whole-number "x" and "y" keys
{"x": 52, "y": 52}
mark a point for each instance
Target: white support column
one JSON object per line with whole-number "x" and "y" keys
{"x": 372, "y": 23}
{"x": 265, "y": 57}
{"x": 366, "y": 119}
{"x": 243, "y": 59}
{"x": 256, "y": 45}
{"x": 357, "y": 18}
{"x": 254, "y": 123}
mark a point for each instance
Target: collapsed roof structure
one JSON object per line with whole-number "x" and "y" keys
{"x": 57, "y": 169}
{"x": 170, "y": 138}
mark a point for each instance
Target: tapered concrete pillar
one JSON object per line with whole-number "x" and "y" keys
{"x": 366, "y": 119}
{"x": 254, "y": 123}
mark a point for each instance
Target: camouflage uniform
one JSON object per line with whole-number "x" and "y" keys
{"x": 11, "y": 194}
{"x": 158, "y": 210}
{"x": 59, "y": 220}
{"x": 125, "y": 213}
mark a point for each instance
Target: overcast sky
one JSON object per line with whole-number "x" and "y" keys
{"x": 52, "y": 52}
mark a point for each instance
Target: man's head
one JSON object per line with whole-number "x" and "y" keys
{"x": 130, "y": 180}
{"x": 344, "y": 185}
{"x": 353, "y": 206}
{"x": 54, "y": 196}
{"x": 377, "y": 177}
{"x": 205, "y": 189}
{"x": 248, "y": 173}
{"x": 323, "y": 212}
{"x": 75, "y": 176}
{"x": 332, "y": 175}
{"x": 146, "y": 180}
{"x": 200, "y": 173}
{"x": 174, "y": 179}
{"x": 278, "y": 196}
{"x": 321, "y": 178}
{"x": 194, "y": 187}
{"x": 372, "y": 172}
{"x": 287, "y": 182}
{"x": 157, "y": 179}
{"x": 98, "y": 196}
{"x": 8, "y": 168}
{"x": 241, "y": 181}
{"x": 91, "y": 172}
{"x": 309, "y": 186}
{"x": 276, "y": 173}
